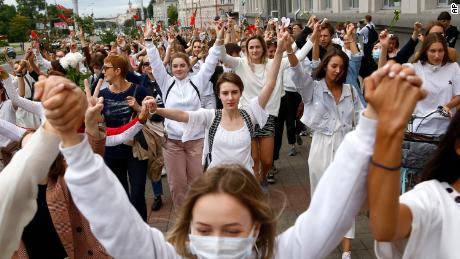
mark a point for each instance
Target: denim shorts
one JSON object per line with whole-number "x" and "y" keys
{"x": 268, "y": 130}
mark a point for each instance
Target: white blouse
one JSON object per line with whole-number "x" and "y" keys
{"x": 229, "y": 147}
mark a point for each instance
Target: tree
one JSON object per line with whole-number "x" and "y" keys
{"x": 108, "y": 36}
{"x": 86, "y": 23}
{"x": 19, "y": 28}
{"x": 7, "y": 12}
{"x": 29, "y": 8}
{"x": 172, "y": 14}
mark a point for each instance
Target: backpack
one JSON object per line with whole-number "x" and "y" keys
{"x": 213, "y": 130}
{"x": 368, "y": 65}
{"x": 171, "y": 86}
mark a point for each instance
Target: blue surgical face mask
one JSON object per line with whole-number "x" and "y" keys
{"x": 215, "y": 247}
{"x": 376, "y": 54}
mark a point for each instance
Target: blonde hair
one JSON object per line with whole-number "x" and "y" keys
{"x": 238, "y": 182}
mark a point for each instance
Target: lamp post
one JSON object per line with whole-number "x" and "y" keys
{"x": 75, "y": 12}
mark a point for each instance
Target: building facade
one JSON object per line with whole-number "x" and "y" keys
{"x": 160, "y": 10}
{"x": 350, "y": 10}
{"x": 206, "y": 10}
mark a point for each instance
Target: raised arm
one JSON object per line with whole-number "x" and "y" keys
{"x": 394, "y": 100}
{"x": 30, "y": 106}
{"x": 158, "y": 69}
{"x": 283, "y": 42}
{"x": 19, "y": 180}
{"x": 340, "y": 192}
{"x": 384, "y": 40}
{"x": 209, "y": 66}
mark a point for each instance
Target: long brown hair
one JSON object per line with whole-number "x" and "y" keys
{"x": 238, "y": 182}
{"x": 427, "y": 42}
{"x": 264, "y": 48}
{"x": 320, "y": 72}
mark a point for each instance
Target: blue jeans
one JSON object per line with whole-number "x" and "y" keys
{"x": 157, "y": 188}
{"x": 136, "y": 170}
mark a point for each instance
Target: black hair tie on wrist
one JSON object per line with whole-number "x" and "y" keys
{"x": 384, "y": 167}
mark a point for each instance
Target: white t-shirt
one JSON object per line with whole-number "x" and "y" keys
{"x": 229, "y": 147}
{"x": 7, "y": 113}
{"x": 435, "y": 230}
{"x": 441, "y": 84}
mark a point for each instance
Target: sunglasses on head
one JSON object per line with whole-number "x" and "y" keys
{"x": 146, "y": 64}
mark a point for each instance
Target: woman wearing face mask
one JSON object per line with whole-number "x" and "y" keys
{"x": 331, "y": 109}
{"x": 228, "y": 131}
{"x": 253, "y": 70}
{"x": 182, "y": 91}
{"x": 226, "y": 214}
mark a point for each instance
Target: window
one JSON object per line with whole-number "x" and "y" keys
{"x": 354, "y": 4}
{"x": 289, "y": 6}
{"x": 391, "y": 3}
{"x": 444, "y": 3}
{"x": 309, "y": 5}
{"x": 328, "y": 4}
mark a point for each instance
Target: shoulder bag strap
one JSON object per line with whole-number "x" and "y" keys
{"x": 353, "y": 123}
{"x": 169, "y": 89}
{"x": 247, "y": 120}
{"x": 213, "y": 129}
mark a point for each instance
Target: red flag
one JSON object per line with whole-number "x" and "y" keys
{"x": 62, "y": 17}
{"x": 136, "y": 17}
{"x": 33, "y": 34}
{"x": 192, "y": 19}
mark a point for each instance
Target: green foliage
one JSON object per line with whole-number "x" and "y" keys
{"x": 77, "y": 77}
{"x": 7, "y": 12}
{"x": 3, "y": 43}
{"x": 108, "y": 36}
{"x": 86, "y": 23}
{"x": 28, "y": 8}
{"x": 19, "y": 28}
{"x": 172, "y": 14}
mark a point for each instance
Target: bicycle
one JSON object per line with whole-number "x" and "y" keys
{"x": 416, "y": 148}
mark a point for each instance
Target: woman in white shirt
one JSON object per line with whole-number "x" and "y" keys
{"x": 424, "y": 222}
{"x": 441, "y": 80}
{"x": 253, "y": 69}
{"x": 331, "y": 109}
{"x": 182, "y": 91}
{"x": 228, "y": 131}
{"x": 226, "y": 214}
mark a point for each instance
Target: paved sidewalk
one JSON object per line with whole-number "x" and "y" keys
{"x": 291, "y": 191}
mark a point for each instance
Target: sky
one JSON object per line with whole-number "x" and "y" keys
{"x": 101, "y": 8}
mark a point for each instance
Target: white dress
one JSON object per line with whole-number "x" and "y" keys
{"x": 435, "y": 230}
{"x": 229, "y": 147}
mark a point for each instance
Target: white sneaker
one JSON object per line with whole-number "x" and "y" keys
{"x": 346, "y": 255}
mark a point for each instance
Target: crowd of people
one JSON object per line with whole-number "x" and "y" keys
{"x": 208, "y": 108}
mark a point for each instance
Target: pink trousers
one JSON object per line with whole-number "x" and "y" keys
{"x": 183, "y": 164}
